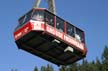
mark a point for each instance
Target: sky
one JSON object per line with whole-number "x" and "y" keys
{"x": 89, "y": 15}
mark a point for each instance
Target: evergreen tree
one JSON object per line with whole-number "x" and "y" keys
{"x": 73, "y": 67}
{"x": 105, "y": 55}
{"x": 105, "y": 59}
{"x": 98, "y": 65}
{"x": 43, "y": 68}
{"x": 63, "y": 68}
{"x": 35, "y": 69}
{"x": 84, "y": 66}
{"x": 49, "y": 68}
{"x": 92, "y": 66}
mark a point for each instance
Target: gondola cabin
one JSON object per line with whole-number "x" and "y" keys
{"x": 46, "y": 35}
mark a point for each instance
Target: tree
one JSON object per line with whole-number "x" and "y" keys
{"x": 105, "y": 55}
{"x": 49, "y": 68}
{"x": 73, "y": 67}
{"x": 63, "y": 68}
{"x": 43, "y": 68}
{"x": 98, "y": 65}
{"x": 105, "y": 59}
{"x": 35, "y": 69}
{"x": 84, "y": 66}
{"x": 93, "y": 66}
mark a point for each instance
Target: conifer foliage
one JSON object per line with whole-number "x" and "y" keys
{"x": 95, "y": 65}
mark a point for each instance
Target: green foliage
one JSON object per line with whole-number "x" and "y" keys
{"x": 48, "y": 68}
{"x": 43, "y": 68}
{"x": 35, "y": 69}
{"x": 105, "y": 59}
{"x": 105, "y": 55}
{"x": 84, "y": 66}
{"x": 73, "y": 67}
{"x": 63, "y": 68}
{"x": 97, "y": 65}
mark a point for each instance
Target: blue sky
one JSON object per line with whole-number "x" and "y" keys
{"x": 90, "y": 15}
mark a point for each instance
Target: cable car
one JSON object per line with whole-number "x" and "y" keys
{"x": 50, "y": 37}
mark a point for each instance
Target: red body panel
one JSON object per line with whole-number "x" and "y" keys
{"x": 22, "y": 31}
{"x": 41, "y": 26}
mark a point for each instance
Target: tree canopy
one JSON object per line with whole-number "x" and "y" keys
{"x": 95, "y": 65}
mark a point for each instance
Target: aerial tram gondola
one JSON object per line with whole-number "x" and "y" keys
{"x": 50, "y": 37}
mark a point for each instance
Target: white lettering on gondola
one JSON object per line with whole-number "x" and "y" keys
{"x": 59, "y": 34}
{"x": 50, "y": 30}
{"x": 22, "y": 32}
{"x": 64, "y": 37}
{"x": 73, "y": 41}
{"x": 37, "y": 25}
{"x": 26, "y": 30}
{"x": 18, "y": 35}
{"x": 54, "y": 31}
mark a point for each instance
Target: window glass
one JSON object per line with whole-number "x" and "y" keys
{"x": 60, "y": 24}
{"x": 27, "y": 17}
{"x": 38, "y": 15}
{"x": 18, "y": 26}
{"x": 79, "y": 35}
{"x": 21, "y": 20}
{"x": 70, "y": 29}
{"x": 24, "y": 19}
{"x": 49, "y": 18}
